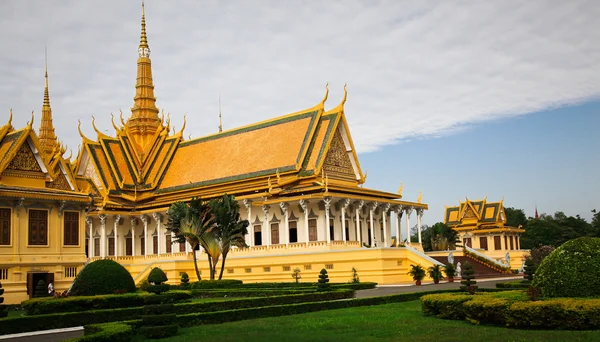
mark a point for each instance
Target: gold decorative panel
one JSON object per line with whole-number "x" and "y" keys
{"x": 60, "y": 183}
{"x": 469, "y": 214}
{"x": 90, "y": 172}
{"x": 337, "y": 159}
{"x": 24, "y": 160}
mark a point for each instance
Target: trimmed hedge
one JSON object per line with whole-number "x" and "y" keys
{"x": 571, "y": 270}
{"x": 14, "y": 325}
{"x": 559, "y": 313}
{"x": 102, "y": 277}
{"x": 237, "y": 284}
{"x": 292, "y": 309}
{"x": 39, "y": 306}
{"x": 521, "y": 284}
{"x": 220, "y": 293}
{"x": 216, "y": 284}
{"x": 446, "y": 305}
{"x": 113, "y": 332}
{"x": 513, "y": 309}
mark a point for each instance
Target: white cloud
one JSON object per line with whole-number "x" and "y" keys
{"x": 413, "y": 69}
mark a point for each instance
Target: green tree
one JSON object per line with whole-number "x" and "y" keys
{"x": 596, "y": 223}
{"x": 438, "y": 237}
{"x": 554, "y": 230}
{"x": 230, "y": 229}
{"x": 515, "y": 217}
{"x": 191, "y": 223}
{"x": 323, "y": 282}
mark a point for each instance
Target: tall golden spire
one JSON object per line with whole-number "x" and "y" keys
{"x": 220, "y": 117}
{"x": 144, "y": 120}
{"x": 47, "y": 136}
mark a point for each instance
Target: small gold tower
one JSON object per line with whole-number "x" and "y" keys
{"x": 144, "y": 121}
{"x": 47, "y": 135}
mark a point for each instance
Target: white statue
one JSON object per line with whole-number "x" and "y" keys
{"x": 458, "y": 270}
{"x": 451, "y": 258}
{"x": 522, "y": 269}
{"x": 507, "y": 257}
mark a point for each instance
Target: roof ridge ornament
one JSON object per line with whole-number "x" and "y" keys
{"x": 30, "y": 123}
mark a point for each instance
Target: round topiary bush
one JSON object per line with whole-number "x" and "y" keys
{"x": 157, "y": 276}
{"x": 572, "y": 270}
{"x": 102, "y": 277}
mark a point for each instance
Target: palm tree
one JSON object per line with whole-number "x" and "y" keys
{"x": 190, "y": 222}
{"x": 230, "y": 228}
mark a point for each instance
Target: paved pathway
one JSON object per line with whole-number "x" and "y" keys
{"x": 384, "y": 290}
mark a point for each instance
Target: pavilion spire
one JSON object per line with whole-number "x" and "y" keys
{"x": 220, "y": 116}
{"x": 47, "y": 136}
{"x": 144, "y": 121}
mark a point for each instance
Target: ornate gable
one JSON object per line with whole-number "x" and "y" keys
{"x": 60, "y": 183}
{"x": 25, "y": 160}
{"x": 337, "y": 163}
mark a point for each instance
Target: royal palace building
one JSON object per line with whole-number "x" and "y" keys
{"x": 297, "y": 178}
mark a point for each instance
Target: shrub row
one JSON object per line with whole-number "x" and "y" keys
{"x": 514, "y": 285}
{"x": 289, "y": 309}
{"x": 219, "y": 293}
{"x": 292, "y": 309}
{"x": 229, "y": 283}
{"x": 70, "y": 319}
{"x": 39, "y": 306}
{"x": 514, "y": 310}
{"x": 113, "y": 332}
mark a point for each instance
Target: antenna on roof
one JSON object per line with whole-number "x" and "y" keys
{"x": 220, "y": 116}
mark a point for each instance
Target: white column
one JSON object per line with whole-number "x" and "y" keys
{"x": 358, "y": 207}
{"x": 102, "y": 218}
{"x": 407, "y": 212}
{"x": 266, "y": 235}
{"x": 250, "y": 236}
{"x": 384, "y": 210}
{"x": 304, "y": 205}
{"x": 327, "y": 201}
{"x": 133, "y": 222}
{"x": 419, "y": 215}
{"x": 372, "y": 208}
{"x": 144, "y": 219}
{"x": 116, "y": 235}
{"x": 343, "y": 205}
{"x": 89, "y": 221}
{"x": 157, "y": 217}
{"x": 286, "y": 233}
{"x": 188, "y": 247}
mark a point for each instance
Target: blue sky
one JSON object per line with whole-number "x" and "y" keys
{"x": 550, "y": 159}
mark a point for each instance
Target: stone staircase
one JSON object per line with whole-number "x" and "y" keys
{"x": 481, "y": 270}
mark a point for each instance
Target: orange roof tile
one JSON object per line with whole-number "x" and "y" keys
{"x": 242, "y": 153}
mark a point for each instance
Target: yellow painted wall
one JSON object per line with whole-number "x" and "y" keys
{"x": 19, "y": 258}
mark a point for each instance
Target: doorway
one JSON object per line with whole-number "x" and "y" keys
{"x": 34, "y": 278}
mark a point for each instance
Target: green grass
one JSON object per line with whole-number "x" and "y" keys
{"x": 390, "y": 322}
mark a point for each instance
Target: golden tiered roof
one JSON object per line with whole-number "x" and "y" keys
{"x": 479, "y": 214}
{"x": 146, "y": 165}
{"x": 28, "y": 170}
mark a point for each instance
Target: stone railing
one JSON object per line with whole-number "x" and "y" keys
{"x": 423, "y": 255}
{"x": 477, "y": 255}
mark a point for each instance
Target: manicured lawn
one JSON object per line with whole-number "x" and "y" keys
{"x": 390, "y": 322}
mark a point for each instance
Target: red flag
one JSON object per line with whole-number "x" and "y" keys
{"x": 536, "y": 213}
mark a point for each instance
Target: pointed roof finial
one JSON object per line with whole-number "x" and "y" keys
{"x": 326, "y": 93}
{"x": 144, "y": 49}
{"x": 220, "y": 116}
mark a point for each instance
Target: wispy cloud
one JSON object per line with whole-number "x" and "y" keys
{"x": 413, "y": 69}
